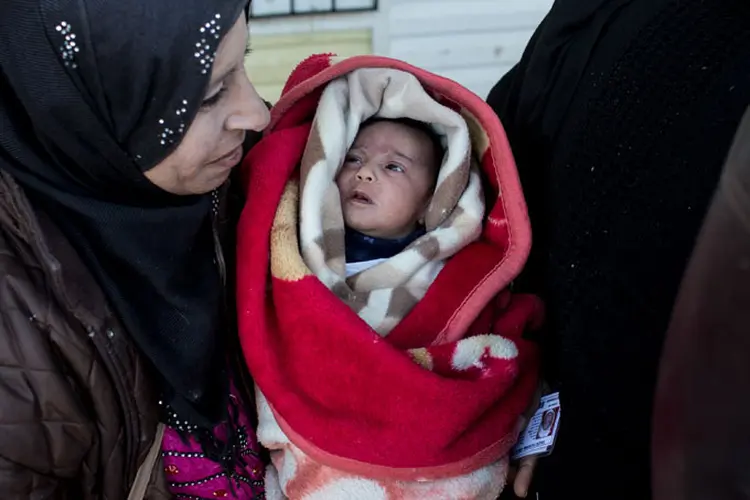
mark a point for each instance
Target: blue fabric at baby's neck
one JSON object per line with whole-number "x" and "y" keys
{"x": 361, "y": 248}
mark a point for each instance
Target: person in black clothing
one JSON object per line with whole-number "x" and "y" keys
{"x": 620, "y": 115}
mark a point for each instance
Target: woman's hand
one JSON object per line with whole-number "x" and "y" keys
{"x": 520, "y": 475}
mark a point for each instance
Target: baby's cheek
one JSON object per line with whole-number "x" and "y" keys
{"x": 396, "y": 216}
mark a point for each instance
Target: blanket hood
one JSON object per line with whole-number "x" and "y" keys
{"x": 403, "y": 406}
{"x": 506, "y": 226}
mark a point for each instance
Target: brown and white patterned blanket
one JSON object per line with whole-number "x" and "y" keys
{"x": 382, "y": 295}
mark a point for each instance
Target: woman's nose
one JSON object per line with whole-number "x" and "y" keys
{"x": 251, "y": 112}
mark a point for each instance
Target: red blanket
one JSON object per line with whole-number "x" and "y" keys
{"x": 345, "y": 395}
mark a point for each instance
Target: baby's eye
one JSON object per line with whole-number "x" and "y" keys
{"x": 394, "y": 168}
{"x": 352, "y": 159}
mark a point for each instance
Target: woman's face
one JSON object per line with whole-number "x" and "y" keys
{"x": 212, "y": 145}
{"x": 547, "y": 420}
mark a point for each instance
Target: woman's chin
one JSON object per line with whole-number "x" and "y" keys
{"x": 210, "y": 182}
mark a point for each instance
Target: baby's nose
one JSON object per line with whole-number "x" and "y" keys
{"x": 365, "y": 175}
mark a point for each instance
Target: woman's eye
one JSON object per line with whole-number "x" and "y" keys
{"x": 209, "y": 102}
{"x": 395, "y": 168}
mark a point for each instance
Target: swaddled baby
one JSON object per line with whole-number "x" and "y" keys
{"x": 386, "y": 347}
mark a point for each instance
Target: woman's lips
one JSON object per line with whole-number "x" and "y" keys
{"x": 230, "y": 159}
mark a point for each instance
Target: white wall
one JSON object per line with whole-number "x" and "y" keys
{"x": 474, "y": 42}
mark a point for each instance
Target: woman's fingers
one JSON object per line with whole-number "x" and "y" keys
{"x": 524, "y": 474}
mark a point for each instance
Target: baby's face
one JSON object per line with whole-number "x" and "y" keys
{"x": 387, "y": 179}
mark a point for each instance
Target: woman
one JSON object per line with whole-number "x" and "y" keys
{"x": 121, "y": 122}
{"x": 620, "y": 115}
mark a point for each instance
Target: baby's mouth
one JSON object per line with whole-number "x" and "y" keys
{"x": 360, "y": 197}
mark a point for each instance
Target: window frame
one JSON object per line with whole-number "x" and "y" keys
{"x": 296, "y": 13}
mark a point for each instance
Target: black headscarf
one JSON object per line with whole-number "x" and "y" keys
{"x": 93, "y": 93}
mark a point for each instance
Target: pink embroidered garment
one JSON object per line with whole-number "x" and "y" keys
{"x": 193, "y": 476}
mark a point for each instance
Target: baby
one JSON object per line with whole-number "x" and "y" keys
{"x": 388, "y": 353}
{"x": 386, "y": 183}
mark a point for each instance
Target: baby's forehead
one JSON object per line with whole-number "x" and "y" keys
{"x": 406, "y": 131}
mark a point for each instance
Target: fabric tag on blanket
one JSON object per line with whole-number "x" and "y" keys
{"x": 539, "y": 436}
